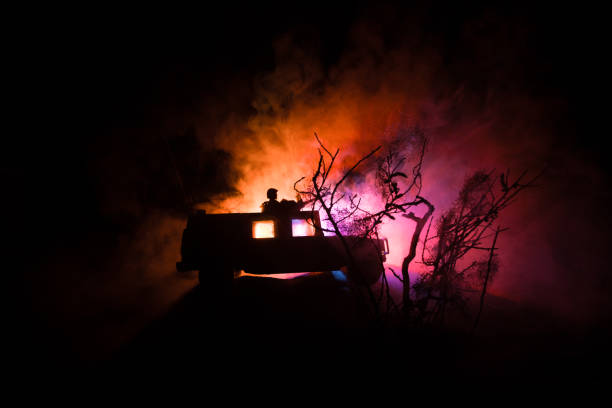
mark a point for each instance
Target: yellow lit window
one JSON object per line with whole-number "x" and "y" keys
{"x": 263, "y": 229}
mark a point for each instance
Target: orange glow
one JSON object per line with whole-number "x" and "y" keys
{"x": 263, "y": 229}
{"x": 275, "y": 146}
{"x": 301, "y": 228}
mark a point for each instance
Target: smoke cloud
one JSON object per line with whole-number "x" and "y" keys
{"x": 481, "y": 109}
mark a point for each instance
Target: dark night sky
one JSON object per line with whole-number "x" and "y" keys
{"x": 92, "y": 89}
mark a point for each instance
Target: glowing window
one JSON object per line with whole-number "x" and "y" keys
{"x": 301, "y": 228}
{"x": 263, "y": 229}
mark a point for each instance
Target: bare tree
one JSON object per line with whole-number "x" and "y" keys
{"x": 416, "y": 236}
{"x": 450, "y": 254}
{"x": 461, "y": 233}
{"x": 345, "y": 212}
{"x": 328, "y": 195}
{"x": 400, "y": 193}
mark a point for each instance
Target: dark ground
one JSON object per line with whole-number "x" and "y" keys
{"x": 314, "y": 327}
{"x": 312, "y": 331}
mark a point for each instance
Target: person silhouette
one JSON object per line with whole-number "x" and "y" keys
{"x": 272, "y": 205}
{"x": 285, "y": 206}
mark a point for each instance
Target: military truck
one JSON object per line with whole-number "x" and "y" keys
{"x": 219, "y": 245}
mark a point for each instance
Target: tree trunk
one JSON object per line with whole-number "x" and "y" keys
{"x": 416, "y": 235}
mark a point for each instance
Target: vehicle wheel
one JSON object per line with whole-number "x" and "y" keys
{"x": 217, "y": 280}
{"x": 366, "y": 271}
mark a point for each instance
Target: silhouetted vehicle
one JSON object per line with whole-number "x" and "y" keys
{"x": 218, "y": 245}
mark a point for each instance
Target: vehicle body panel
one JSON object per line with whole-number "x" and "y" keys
{"x": 228, "y": 240}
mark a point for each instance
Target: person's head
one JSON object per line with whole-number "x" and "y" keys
{"x": 272, "y": 193}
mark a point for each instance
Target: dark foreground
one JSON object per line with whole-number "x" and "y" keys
{"x": 314, "y": 329}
